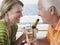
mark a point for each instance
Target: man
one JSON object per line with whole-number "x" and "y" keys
{"x": 49, "y": 10}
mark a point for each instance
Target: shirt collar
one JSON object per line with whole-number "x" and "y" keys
{"x": 58, "y": 25}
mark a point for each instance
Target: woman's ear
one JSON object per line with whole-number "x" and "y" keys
{"x": 52, "y": 10}
{"x": 7, "y": 17}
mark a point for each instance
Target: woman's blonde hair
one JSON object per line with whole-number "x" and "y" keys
{"x": 7, "y": 5}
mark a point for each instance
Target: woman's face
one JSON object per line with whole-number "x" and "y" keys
{"x": 15, "y": 13}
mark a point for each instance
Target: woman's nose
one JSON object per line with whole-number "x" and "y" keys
{"x": 21, "y": 15}
{"x": 39, "y": 13}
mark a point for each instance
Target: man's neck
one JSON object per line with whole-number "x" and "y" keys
{"x": 54, "y": 23}
{"x": 54, "y": 20}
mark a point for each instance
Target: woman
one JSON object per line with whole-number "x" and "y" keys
{"x": 11, "y": 12}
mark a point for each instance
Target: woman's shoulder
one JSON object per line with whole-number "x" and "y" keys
{"x": 2, "y": 23}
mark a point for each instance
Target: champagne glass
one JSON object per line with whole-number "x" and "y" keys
{"x": 30, "y": 35}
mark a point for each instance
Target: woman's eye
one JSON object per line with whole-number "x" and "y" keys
{"x": 18, "y": 12}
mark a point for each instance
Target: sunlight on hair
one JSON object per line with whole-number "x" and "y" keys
{"x": 49, "y": 3}
{"x": 46, "y": 4}
{"x": 56, "y": 4}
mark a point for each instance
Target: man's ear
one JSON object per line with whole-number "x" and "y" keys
{"x": 52, "y": 10}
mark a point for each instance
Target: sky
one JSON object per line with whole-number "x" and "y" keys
{"x": 0, "y": 2}
{"x": 29, "y": 1}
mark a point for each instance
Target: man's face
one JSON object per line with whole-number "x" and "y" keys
{"x": 45, "y": 14}
{"x": 15, "y": 13}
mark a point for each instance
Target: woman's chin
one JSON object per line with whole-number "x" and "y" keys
{"x": 18, "y": 21}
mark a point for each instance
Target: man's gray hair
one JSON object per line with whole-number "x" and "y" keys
{"x": 49, "y": 3}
